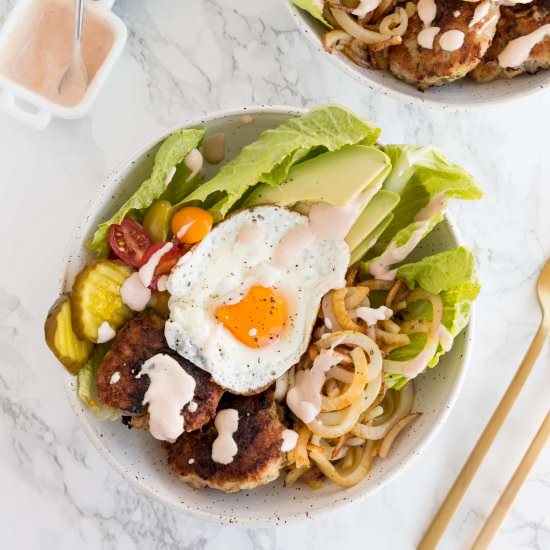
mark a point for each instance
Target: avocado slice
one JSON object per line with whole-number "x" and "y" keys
{"x": 376, "y": 210}
{"x": 335, "y": 177}
{"x": 359, "y": 251}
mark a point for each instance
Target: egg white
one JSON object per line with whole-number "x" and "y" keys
{"x": 236, "y": 255}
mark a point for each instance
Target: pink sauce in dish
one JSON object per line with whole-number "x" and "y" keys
{"x": 41, "y": 47}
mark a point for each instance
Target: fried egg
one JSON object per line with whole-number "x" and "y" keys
{"x": 244, "y": 300}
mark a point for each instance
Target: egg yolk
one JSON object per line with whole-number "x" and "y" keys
{"x": 258, "y": 319}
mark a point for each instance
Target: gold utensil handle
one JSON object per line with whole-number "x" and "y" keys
{"x": 460, "y": 486}
{"x": 504, "y": 503}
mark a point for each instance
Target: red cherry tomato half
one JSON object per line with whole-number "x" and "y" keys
{"x": 166, "y": 263}
{"x": 129, "y": 242}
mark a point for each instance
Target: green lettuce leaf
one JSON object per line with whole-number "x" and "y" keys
{"x": 172, "y": 151}
{"x": 403, "y": 243}
{"x": 419, "y": 173}
{"x": 313, "y": 8}
{"x": 441, "y": 271}
{"x": 269, "y": 159}
{"x": 451, "y": 274}
{"x": 86, "y": 386}
{"x": 411, "y": 350}
{"x": 457, "y": 305}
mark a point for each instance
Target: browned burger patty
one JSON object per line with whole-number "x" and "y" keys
{"x": 515, "y": 22}
{"x": 434, "y": 67}
{"x": 141, "y": 338}
{"x": 259, "y": 457}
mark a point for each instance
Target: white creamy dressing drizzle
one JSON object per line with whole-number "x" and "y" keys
{"x": 169, "y": 175}
{"x": 192, "y": 407}
{"x": 134, "y": 294}
{"x": 427, "y": 36}
{"x": 105, "y": 332}
{"x": 481, "y": 11}
{"x": 364, "y": 7}
{"x": 213, "y": 148}
{"x": 250, "y": 234}
{"x": 224, "y": 447}
{"x": 517, "y": 51}
{"x": 514, "y": 2}
{"x": 115, "y": 377}
{"x": 147, "y": 271}
{"x": 427, "y": 10}
{"x": 437, "y": 205}
{"x": 290, "y": 438}
{"x": 194, "y": 161}
{"x": 452, "y": 40}
{"x": 393, "y": 254}
{"x": 183, "y": 229}
{"x": 292, "y": 245}
{"x": 304, "y": 399}
{"x": 170, "y": 389}
{"x": 326, "y": 222}
{"x": 456, "y": 13}
{"x": 445, "y": 337}
{"x": 372, "y": 315}
{"x": 161, "y": 283}
{"x": 380, "y": 268}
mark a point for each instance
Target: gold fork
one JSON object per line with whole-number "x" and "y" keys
{"x": 460, "y": 486}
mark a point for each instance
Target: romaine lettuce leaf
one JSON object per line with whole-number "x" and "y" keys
{"x": 314, "y": 8}
{"x": 451, "y": 274}
{"x": 402, "y": 244}
{"x": 441, "y": 271}
{"x": 86, "y": 386}
{"x": 457, "y": 305}
{"x": 411, "y": 350}
{"x": 419, "y": 173}
{"x": 269, "y": 159}
{"x": 172, "y": 151}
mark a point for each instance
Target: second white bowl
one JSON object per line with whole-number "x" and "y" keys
{"x": 462, "y": 95}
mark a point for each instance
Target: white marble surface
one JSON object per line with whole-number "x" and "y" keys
{"x": 194, "y": 56}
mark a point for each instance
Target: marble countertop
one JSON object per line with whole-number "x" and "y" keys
{"x": 185, "y": 58}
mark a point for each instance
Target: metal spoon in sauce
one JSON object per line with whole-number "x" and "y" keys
{"x": 74, "y": 81}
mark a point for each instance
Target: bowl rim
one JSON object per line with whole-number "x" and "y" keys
{"x": 300, "y": 19}
{"x": 107, "y": 187}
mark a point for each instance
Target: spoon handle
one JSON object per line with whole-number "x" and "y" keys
{"x": 446, "y": 512}
{"x": 78, "y": 17}
{"x": 504, "y": 503}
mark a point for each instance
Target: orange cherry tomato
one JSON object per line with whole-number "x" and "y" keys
{"x": 191, "y": 224}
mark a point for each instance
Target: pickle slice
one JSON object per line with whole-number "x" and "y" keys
{"x": 61, "y": 339}
{"x": 96, "y": 298}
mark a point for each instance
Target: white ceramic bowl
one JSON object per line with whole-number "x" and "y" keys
{"x": 463, "y": 95}
{"x": 139, "y": 458}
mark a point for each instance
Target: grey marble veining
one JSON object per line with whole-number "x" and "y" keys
{"x": 184, "y": 58}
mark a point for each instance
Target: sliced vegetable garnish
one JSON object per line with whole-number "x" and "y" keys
{"x": 171, "y": 153}
{"x": 129, "y": 242}
{"x": 166, "y": 262}
{"x": 157, "y": 220}
{"x": 96, "y": 298}
{"x": 191, "y": 224}
{"x": 61, "y": 339}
